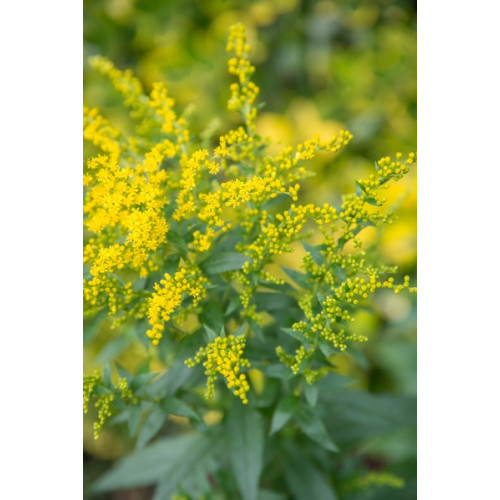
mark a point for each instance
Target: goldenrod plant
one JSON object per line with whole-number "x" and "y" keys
{"x": 184, "y": 254}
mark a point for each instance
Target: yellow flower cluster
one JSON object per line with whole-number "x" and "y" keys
{"x": 98, "y": 131}
{"x": 157, "y": 198}
{"x": 124, "y": 207}
{"x": 104, "y": 400}
{"x": 103, "y": 404}
{"x": 163, "y": 105}
{"x": 240, "y": 147}
{"x": 243, "y": 93}
{"x": 191, "y": 169}
{"x": 379, "y": 478}
{"x": 307, "y": 150}
{"x": 224, "y": 356}
{"x": 357, "y": 209}
{"x": 168, "y": 296}
{"x": 89, "y": 384}
{"x": 342, "y": 281}
{"x": 125, "y": 83}
{"x": 275, "y": 238}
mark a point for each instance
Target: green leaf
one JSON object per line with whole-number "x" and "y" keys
{"x": 171, "y": 264}
{"x": 112, "y": 349}
{"x": 372, "y": 201}
{"x": 170, "y": 459}
{"x": 296, "y": 276}
{"x": 153, "y": 423}
{"x": 135, "y": 415}
{"x": 295, "y": 334}
{"x": 210, "y": 333}
{"x": 271, "y": 302}
{"x": 223, "y": 261}
{"x": 212, "y": 316}
{"x": 313, "y": 427}
{"x": 326, "y": 347}
{"x": 192, "y": 482}
{"x": 353, "y": 414}
{"x": 234, "y": 303}
{"x": 271, "y": 495}
{"x": 176, "y": 406}
{"x": 91, "y": 326}
{"x": 278, "y": 370}
{"x": 283, "y": 412}
{"x": 98, "y": 390}
{"x": 123, "y": 372}
{"x": 106, "y": 374}
{"x": 359, "y": 189}
{"x": 315, "y": 253}
{"x": 240, "y": 330}
{"x": 141, "y": 380}
{"x": 246, "y": 441}
{"x": 178, "y": 374}
{"x": 311, "y": 392}
{"x": 177, "y": 240}
{"x": 339, "y": 272}
{"x": 304, "y": 480}
{"x": 280, "y": 287}
{"x": 170, "y": 381}
{"x": 256, "y": 329}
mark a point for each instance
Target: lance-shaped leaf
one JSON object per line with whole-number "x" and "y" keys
{"x": 246, "y": 441}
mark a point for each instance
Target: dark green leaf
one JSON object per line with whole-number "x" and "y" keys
{"x": 267, "y": 301}
{"x": 141, "y": 380}
{"x": 234, "y": 303}
{"x": 271, "y": 495}
{"x": 296, "y": 276}
{"x": 210, "y": 333}
{"x": 326, "y": 347}
{"x": 212, "y": 315}
{"x": 246, "y": 441}
{"x": 223, "y": 261}
{"x": 295, "y": 334}
{"x": 280, "y": 287}
{"x": 134, "y": 419}
{"x": 313, "y": 427}
{"x": 122, "y": 372}
{"x": 315, "y": 253}
{"x": 339, "y": 272}
{"x": 171, "y": 264}
{"x": 152, "y": 424}
{"x": 351, "y": 414}
{"x": 311, "y": 392}
{"x": 176, "y": 406}
{"x": 283, "y": 412}
{"x": 304, "y": 480}
{"x": 176, "y": 239}
{"x": 190, "y": 479}
{"x": 240, "y": 330}
{"x": 256, "y": 329}
{"x": 120, "y": 418}
{"x": 91, "y": 326}
{"x": 170, "y": 381}
{"x": 170, "y": 458}
{"x": 278, "y": 370}
{"x": 112, "y": 349}
{"x": 102, "y": 390}
{"x": 106, "y": 374}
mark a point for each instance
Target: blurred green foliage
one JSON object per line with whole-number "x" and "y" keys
{"x": 321, "y": 66}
